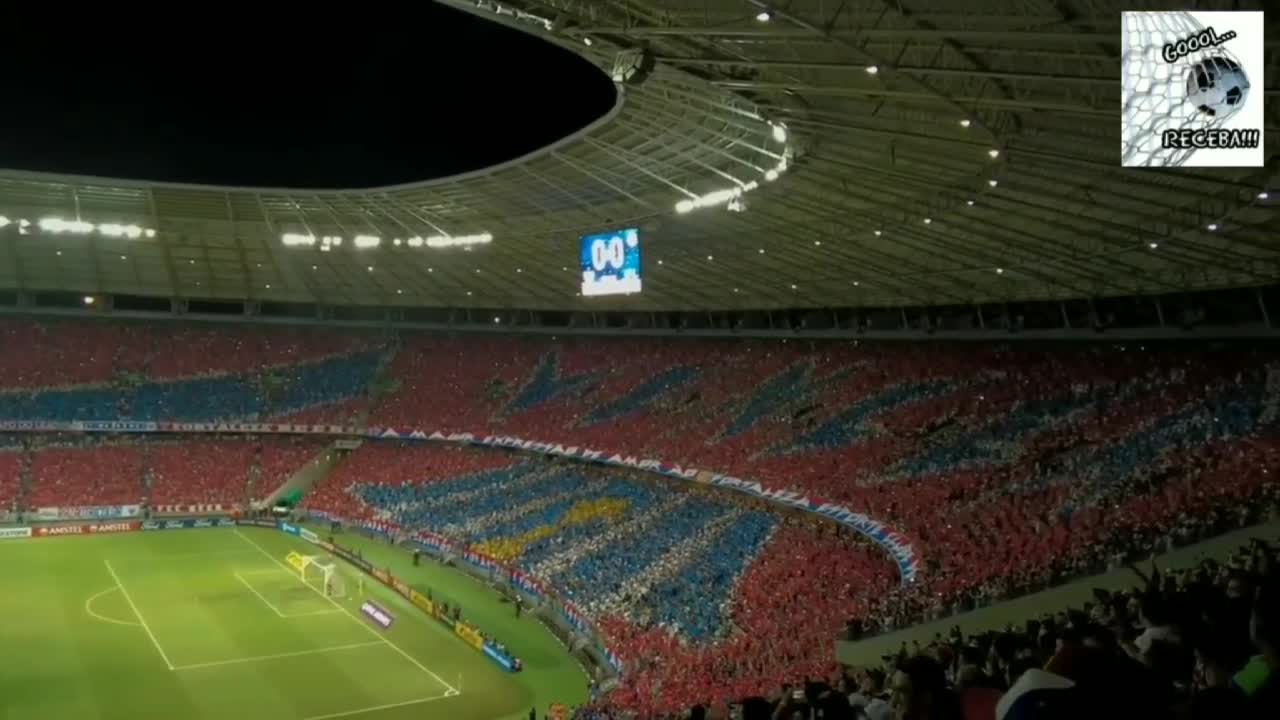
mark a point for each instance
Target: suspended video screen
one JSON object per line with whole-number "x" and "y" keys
{"x": 610, "y": 263}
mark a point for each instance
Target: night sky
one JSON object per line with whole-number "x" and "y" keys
{"x": 228, "y": 95}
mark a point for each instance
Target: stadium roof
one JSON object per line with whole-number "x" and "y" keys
{"x": 926, "y": 152}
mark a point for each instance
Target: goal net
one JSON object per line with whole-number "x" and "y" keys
{"x": 1155, "y": 91}
{"x": 320, "y": 573}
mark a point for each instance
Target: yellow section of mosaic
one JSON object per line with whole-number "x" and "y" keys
{"x": 582, "y": 512}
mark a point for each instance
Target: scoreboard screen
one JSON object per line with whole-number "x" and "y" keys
{"x": 610, "y": 263}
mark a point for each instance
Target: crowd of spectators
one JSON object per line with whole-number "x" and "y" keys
{"x": 168, "y": 475}
{"x": 213, "y": 472}
{"x": 12, "y": 461}
{"x": 86, "y": 476}
{"x": 62, "y": 354}
{"x": 1006, "y": 469}
{"x": 75, "y": 371}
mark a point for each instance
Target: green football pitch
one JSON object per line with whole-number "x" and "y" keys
{"x": 211, "y": 623}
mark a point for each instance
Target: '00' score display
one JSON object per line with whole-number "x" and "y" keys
{"x": 610, "y": 263}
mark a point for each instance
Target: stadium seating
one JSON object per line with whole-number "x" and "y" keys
{"x": 11, "y": 463}
{"x": 658, "y": 569}
{"x": 279, "y": 392}
{"x": 74, "y": 353}
{"x": 1006, "y": 467}
{"x": 103, "y": 371}
{"x": 86, "y": 476}
{"x": 199, "y": 472}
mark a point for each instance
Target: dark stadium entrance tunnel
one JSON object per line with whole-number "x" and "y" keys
{"x": 317, "y": 100}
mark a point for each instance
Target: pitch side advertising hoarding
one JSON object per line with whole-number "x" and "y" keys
{"x": 98, "y": 529}
{"x": 187, "y": 523}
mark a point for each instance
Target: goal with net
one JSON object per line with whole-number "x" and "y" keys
{"x": 1156, "y": 89}
{"x": 320, "y": 573}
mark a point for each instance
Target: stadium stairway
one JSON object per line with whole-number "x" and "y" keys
{"x": 300, "y": 482}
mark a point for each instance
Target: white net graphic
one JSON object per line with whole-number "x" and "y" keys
{"x": 1155, "y": 91}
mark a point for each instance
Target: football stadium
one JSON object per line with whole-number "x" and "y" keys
{"x": 852, "y": 360}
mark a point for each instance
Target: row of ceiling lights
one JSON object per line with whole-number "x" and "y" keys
{"x": 370, "y": 242}
{"x": 1212, "y": 227}
{"x": 58, "y": 226}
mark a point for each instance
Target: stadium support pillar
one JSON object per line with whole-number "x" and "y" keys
{"x": 1262, "y": 307}
{"x": 178, "y": 306}
{"x": 1066, "y": 319}
{"x": 1159, "y": 311}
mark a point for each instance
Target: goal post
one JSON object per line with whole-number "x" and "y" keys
{"x": 320, "y": 573}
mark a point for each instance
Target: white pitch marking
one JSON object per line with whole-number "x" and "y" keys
{"x": 261, "y": 597}
{"x": 200, "y": 553}
{"x": 312, "y": 613}
{"x": 260, "y": 658}
{"x": 89, "y": 609}
{"x": 375, "y": 708}
{"x": 353, "y": 617}
{"x": 141, "y": 619}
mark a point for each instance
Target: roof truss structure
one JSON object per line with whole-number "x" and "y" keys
{"x": 891, "y": 196}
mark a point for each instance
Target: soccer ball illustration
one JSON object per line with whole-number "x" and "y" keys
{"x": 1217, "y": 87}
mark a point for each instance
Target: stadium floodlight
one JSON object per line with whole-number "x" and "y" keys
{"x": 966, "y": 123}
{"x": 132, "y": 232}
{"x": 4, "y": 221}
{"x": 58, "y": 225}
{"x": 780, "y": 133}
{"x": 297, "y": 239}
{"x": 872, "y": 69}
{"x": 763, "y": 16}
{"x": 89, "y": 300}
{"x": 366, "y": 242}
{"x": 445, "y": 241}
{"x": 415, "y": 242}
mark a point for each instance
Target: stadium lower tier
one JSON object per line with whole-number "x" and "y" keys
{"x": 708, "y": 595}
{"x": 44, "y": 472}
{"x": 1006, "y": 467}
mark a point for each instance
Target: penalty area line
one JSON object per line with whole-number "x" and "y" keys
{"x": 261, "y": 597}
{"x": 136, "y": 612}
{"x": 277, "y": 656}
{"x": 376, "y": 708}
{"x": 356, "y": 620}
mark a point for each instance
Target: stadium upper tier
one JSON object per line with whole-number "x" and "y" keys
{"x": 1007, "y": 467}
{"x": 918, "y": 156}
{"x": 919, "y": 436}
